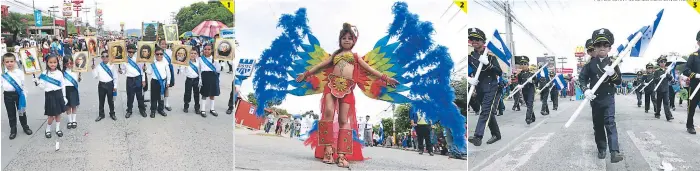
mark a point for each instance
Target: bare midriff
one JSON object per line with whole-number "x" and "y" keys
{"x": 344, "y": 65}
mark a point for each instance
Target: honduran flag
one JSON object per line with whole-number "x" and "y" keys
{"x": 543, "y": 73}
{"x": 560, "y": 83}
{"x": 498, "y": 47}
{"x": 470, "y": 70}
{"x": 647, "y": 33}
{"x": 381, "y": 133}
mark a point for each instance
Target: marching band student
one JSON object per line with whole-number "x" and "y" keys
{"x": 160, "y": 73}
{"x": 232, "y": 96}
{"x": 55, "y": 94}
{"x": 106, "y": 87}
{"x": 167, "y": 53}
{"x": 209, "y": 82}
{"x": 70, "y": 83}
{"x": 14, "y": 95}
{"x": 192, "y": 84}
{"x": 134, "y": 83}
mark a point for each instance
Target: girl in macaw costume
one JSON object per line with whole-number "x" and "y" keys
{"x": 343, "y": 71}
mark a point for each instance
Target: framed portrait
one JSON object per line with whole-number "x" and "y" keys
{"x": 30, "y": 62}
{"x": 224, "y": 49}
{"x": 91, "y": 45}
{"x": 80, "y": 61}
{"x": 170, "y": 33}
{"x": 181, "y": 54}
{"x": 145, "y": 52}
{"x": 117, "y": 52}
{"x": 149, "y": 31}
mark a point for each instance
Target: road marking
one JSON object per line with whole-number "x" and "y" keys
{"x": 515, "y": 140}
{"x": 588, "y": 161}
{"x": 520, "y": 154}
{"x": 649, "y": 144}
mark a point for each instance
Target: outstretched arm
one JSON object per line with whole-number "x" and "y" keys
{"x": 390, "y": 81}
{"x": 313, "y": 70}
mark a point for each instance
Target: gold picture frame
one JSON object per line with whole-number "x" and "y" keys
{"x": 30, "y": 61}
{"x": 117, "y": 52}
{"x": 81, "y": 60}
{"x": 181, "y": 54}
{"x": 92, "y": 45}
{"x": 224, "y": 50}
{"x": 170, "y": 33}
{"x": 145, "y": 50}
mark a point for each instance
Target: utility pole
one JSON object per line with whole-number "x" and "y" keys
{"x": 509, "y": 32}
{"x": 87, "y": 21}
{"x": 562, "y": 62}
{"x": 53, "y": 28}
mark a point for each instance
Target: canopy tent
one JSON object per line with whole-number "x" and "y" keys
{"x": 209, "y": 28}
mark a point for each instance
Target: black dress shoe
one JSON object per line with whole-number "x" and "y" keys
{"x": 555, "y": 109}
{"x": 601, "y": 154}
{"x": 213, "y": 112}
{"x": 670, "y": 119}
{"x": 420, "y": 153}
{"x": 229, "y": 111}
{"x": 99, "y": 118}
{"x": 475, "y": 140}
{"x": 615, "y": 157}
{"x": 185, "y": 110}
{"x": 646, "y": 111}
{"x": 27, "y": 130}
{"x": 691, "y": 130}
{"x": 493, "y": 140}
{"x": 162, "y": 113}
{"x": 528, "y": 121}
{"x": 128, "y": 115}
{"x": 143, "y": 113}
{"x": 429, "y": 153}
{"x": 13, "y": 133}
{"x": 69, "y": 125}
{"x": 168, "y": 108}
{"x": 47, "y": 134}
{"x": 657, "y": 116}
{"x": 153, "y": 114}
{"x": 146, "y": 100}
{"x": 75, "y": 125}
{"x": 113, "y": 117}
{"x": 204, "y": 114}
{"x": 59, "y": 133}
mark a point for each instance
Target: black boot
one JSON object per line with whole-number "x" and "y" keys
{"x": 13, "y": 132}
{"x": 493, "y": 139}
{"x": 229, "y": 111}
{"x": 23, "y": 121}
{"x": 500, "y": 112}
{"x": 615, "y": 157}
{"x": 153, "y": 114}
{"x": 475, "y": 140}
{"x": 128, "y": 114}
{"x": 143, "y": 113}
{"x": 691, "y": 130}
{"x": 601, "y": 154}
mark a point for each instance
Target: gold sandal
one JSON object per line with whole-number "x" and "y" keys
{"x": 342, "y": 161}
{"x": 328, "y": 155}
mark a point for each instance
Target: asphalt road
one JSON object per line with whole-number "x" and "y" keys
{"x": 645, "y": 141}
{"x": 256, "y": 150}
{"x": 180, "y": 141}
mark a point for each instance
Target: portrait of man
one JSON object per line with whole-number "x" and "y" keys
{"x": 181, "y": 54}
{"x": 92, "y": 46}
{"x": 224, "y": 50}
{"x": 170, "y": 33}
{"x": 80, "y": 59}
{"x": 145, "y": 52}
{"x": 116, "y": 52}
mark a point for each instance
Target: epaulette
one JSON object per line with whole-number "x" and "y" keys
{"x": 694, "y": 54}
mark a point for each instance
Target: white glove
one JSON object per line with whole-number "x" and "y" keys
{"x": 35, "y": 80}
{"x": 472, "y": 81}
{"x": 609, "y": 70}
{"x": 663, "y": 76}
{"x": 200, "y": 82}
{"x": 65, "y": 99}
{"x": 697, "y": 75}
{"x": 646, "y": 84}
{"x": 589, "y": 94}
{"x": 484, "y": 59}
{"x": 529, "y": 80}
{"x": 520, "y": 86}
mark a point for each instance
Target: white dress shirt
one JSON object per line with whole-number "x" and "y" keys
{"x": 163, "y": 70}
{"x": 189, "y": 72}
{"x": 170, "y": 54}
{"x": 103, "y": 76}
{"x": 58, "y": 75}
{"x": 18, "y": 76}
{"x": 67, "y": 82}
{"x": 131, "y": 71}
{"x": 203, "y": 66}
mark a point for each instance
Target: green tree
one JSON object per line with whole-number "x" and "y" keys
{"x": 189, "y": 17}
{"x": 388, "y": 126}
{"x": 161, "y": 33}
{"x": 310, "y": 112}
{"x": 150, "y": 33}
{"x": 13, "y": 23}
{"x": 403, "y": 123}
{"x": 251, "y": 99}
{"x": 461, "y": 92}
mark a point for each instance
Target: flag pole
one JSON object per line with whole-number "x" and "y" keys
{"x": 529, "y": 80}
{"x": 548, "y": 83}
{"x": 667, "y": 72}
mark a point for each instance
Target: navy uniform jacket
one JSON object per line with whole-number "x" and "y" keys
{"x": 648, "y": 78}
{"x": 593, "y": 70}
{"x": 544, "y": 81}
{"x": 522, "y": 78}
{"x": 692, "y": 67}
{"x": 664, "y": 83}
{"x": 489, "y": 72}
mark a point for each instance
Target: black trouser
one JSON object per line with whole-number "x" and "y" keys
{"x": 106, "y": 89}
{"x": 192, "y": 84}
{"x": 604, "y": 127}
{"x": 133, "y": 88}
{"x": 516, "y": 101}
{"x": 543, "y": 99}
{"x": 692, "y": 104}
{"x": 529, "y": 96}
{"x": 671, "y": 97}
{"x": 554, "y": 95}
{"x": 662, "y": 98}
{"x": 639, "y": 97}
{"x": 156, "y": 100}
{"x": 230, "y": 101}
{"x": 649, "y": 96}
{"x": 11, "y": 99}
{"x": 488, "y": 97}
{"x": 423, "y": 133}
{"x": 475, "y": 103}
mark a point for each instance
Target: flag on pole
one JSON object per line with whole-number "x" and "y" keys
{"x": 381, "y": 133}
{"x": 470, "y": 70}
{"x": 544, "y": 73}
{"x": 647, "y": 33}
{"x": 673, "y": 71}
{"x": 560, "y": 83}
{"x": 498, "y": 47}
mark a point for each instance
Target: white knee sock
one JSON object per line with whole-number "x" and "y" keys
{"x": 58, "y": 126}
{"x": 212, "y": 104}
{"x": 73, "y": 117}
{"x": 48, "y": 128}
{"x": 204, "y": 105}
{"x": 165, "y": 99}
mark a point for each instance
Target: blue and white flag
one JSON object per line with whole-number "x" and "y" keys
{"x": 245, "y": 67}
{"x": 560, "y": 83}
{"x": 470, "y": 70}
{"x": 647, "y": 33}
{"x": 381, "y": 133}
{"x": 498, "y": 47}
{"x": 673, "y": 71}
{"x": 544, "y": 73}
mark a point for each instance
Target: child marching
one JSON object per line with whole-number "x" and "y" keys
{"x": 14, "y": 95}
{"x": 55, "y": 94}
{"x": 192, "y": 84}
{"x": 70, "y": 81}
{"x": 107, "y": 87}
{"x": 160, "y": 73}
{"x": 134, "y": 83}
{"x": 209, "y": 79}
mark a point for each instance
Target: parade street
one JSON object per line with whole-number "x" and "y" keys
{"x": 645, "y": 142}
{"x": 179, "y": 141}
{"x": 256, "y": 150}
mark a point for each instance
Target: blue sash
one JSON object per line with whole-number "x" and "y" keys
{"x": 18, "y": 89}
{"x": 160, "y": 79}
{"x": 167, "y": 57}
{"x": 211, "y": 66}
{"x": 194, "y": 67}
{"x": 109, "y": 71}
{"x": 70, "y": 78}
{"x": 50, "y": 80}
{"x": 133, "y": 64}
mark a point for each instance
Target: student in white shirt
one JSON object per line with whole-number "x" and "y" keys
{"x": 14, "y": 98}
{"x": 209, "y": 79}
{"x": 106, "y": 87}
{"x": 167, "y": 53}
{"x": 192, "y": 83}
{"x": 160, "y": 73}
{"x": 70, "y": 81}
{"x": 135, "y": 81}
{"x": 55, "y": 94}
